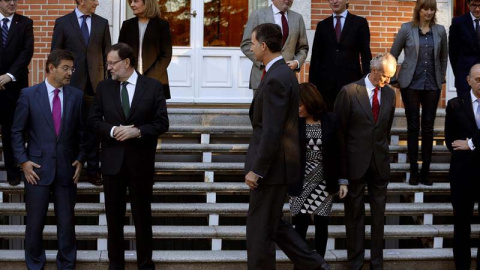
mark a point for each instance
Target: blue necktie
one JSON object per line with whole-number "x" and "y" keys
{"x": 84, "y": 28}
{"x": 4, "y": 31}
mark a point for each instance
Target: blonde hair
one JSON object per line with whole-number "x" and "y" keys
{"x": 152, "y": 8}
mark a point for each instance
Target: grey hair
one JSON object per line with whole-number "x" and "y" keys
{"x": 379, "y": 60}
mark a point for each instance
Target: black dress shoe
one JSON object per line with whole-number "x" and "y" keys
{"x": 95, "y": 178}
{"x": 413, "y": 179}
{"x": 15, "y": 181}
{"x": 325, "y": 266}
{"x": 425, "y": 179}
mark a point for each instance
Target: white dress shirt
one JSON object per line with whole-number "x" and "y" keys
{"x": 132, "y": 83}
{"x": 343, "y": 16}
{"x": 80, "y": 20}
{"x": 370, "y": 87}
{"x": 51, "y": 94}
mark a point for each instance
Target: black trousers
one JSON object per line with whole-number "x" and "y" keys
{"x": 8, "y": 101}
{"x": 463, "y": 200}
{"x": 429, "y": 101}
{"x": 36, "y": 202}
{"x": 302, "y": 221}
{"x": 140, "y": 191}
{"x": 355, "y": 218}
{"x": 265, "y": 227}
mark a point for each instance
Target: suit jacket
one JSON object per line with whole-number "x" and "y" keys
{"x": 330, "y": 154}
{"x": 336, "y": 64}
{"x": 407, "y": 40}
{"x": 295, "y": 47}
{"x": 89, "y": 58}
{"x": 460, "y": 124}
{"x": 148, "y": 113}
{"x": 464, "y": 50}
{"x": 33, "y": 118}
{"x": 16, "y": 55}
{"x": 361, "y": 139}
{"x": 274, "y": 152}
{"x": 156, "y": 48}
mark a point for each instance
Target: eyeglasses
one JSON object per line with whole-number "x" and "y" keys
{"x": 112, "y": 63}
{"x": 67, "y": 68}
{"x": 474, "y": 6}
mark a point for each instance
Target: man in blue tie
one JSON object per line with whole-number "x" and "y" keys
{"x": 462, "y": 136}
{"x": 49, "y": 114}
{"x": 16, "y": 50}
{"x": 87, "y": 36}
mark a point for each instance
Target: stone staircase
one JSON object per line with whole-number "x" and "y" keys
{"x": 200, "y": 204}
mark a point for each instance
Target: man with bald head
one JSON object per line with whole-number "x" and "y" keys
{"x": 294, "y": 37}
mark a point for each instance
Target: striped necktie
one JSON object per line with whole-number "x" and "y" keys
{"x": 4, "y": 31}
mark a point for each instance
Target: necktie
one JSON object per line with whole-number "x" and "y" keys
{"x": 375, "y": 104}
{"x": 477, "y": 29}
{"x": 4, "y": 31}
{"x": 263, "y": 73}
{"x": 56, "y": 111}
{"x": 125, "y": 100}
{"x": 84, "y": 28}
{"x": 284, "y": 28}
{"x": 477, "y": 113}
{"x": 338, "y": 28}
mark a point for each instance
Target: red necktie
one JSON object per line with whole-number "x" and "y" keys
{"x": 338, "y": 28}
{"x": 56, "y": 111}
{"x": 263, "y": 73}
{"x": 284, "y": 28}
{"x": 375, "y": 104}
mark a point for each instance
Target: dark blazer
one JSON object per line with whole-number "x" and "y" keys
{"x": 68, "y": 36}
{"x": 156, "y": 48}
{"x": 464, "y": 50}
{"x": 33, "y": 117}
{"x": 16, "y": 55}
{"x": 330, "y": 154}
{"x": 407, "y": 39}
{"x": 148, "y": 113}
{"x": 336, "y": 64}
{"x": 360, "y": 137}
{"x": 274, "y": 152}
{"x": 460, "y": 124}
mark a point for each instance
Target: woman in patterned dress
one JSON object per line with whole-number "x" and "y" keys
{"x": 313, "y": 195}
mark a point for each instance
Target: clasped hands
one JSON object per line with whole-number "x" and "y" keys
{"x": 32, "y": 177}
{"x": 123, "y": 133}
{"x": 461, "y": 144}
{"x": 4, "y": 79}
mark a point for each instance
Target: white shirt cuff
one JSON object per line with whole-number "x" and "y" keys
{"x": 111, "y": 131}
{"x": 470, "y": 144}
{"x": 11, "y": 76}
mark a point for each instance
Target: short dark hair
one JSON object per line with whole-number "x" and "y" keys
{"x": 56, "y": 56}
{"x": 271, "y": 34}
{"x": 312, "y": 100}
{"x": 124, "y": 52}
{"x": 470, "y": 1}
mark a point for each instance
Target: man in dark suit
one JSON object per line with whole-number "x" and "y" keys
{"x": 294, "y": 37}
{"x": 129, "y": 112}
{"x": 464, "y": 45}
{"x": 49, "y": 114}
{"x": 273, "y": 158}
{"x": 462, "y": 136}
{"x": 16, "y": 50}
{"x": 340, "y": 41}
{"x": 87, "y": 36}
{"x": 365, "y": 112}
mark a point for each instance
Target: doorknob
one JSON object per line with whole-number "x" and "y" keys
{"x": 194, "y": 14}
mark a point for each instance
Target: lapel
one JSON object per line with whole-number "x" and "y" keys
{"x": 13, "y": 28}
{"x": 44, "y": 103}
{"x": 137, "y": 95}
{"x": 346, "y": 27}
{"x": 72, "y": 17}
{"x": 134, "y": 32}
{"x": 364, "y": 101}
{"x": 384, "y": 100}
{"x": 467, "y": 20}
{"x": 436, "y": 40}
{"x": 95, "y": 29}
{"x": 470, "y": 114}
{"x": 269, "y": 17}
{"x": 331, "y": 29}
{"x": 292, "y": 26}
{"x": 416, "y": 39}
{"x": 67, "y": 108}
{"x": 116, "y": 99}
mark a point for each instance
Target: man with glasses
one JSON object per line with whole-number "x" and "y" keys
{"x": 87, "y": 36}
{"x": 129, "y": 112}
{"x": 365, "y": 110}
{"x": 464, "y": 45}
{"x": 16, "y": 50}
{"x": 49, "y": 115}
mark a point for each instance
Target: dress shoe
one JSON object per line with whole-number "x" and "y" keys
{"x": 424, "y": 176}
{"x": 324, "y": 266}
{"x": 413, "y": 178}
{"x": 95, "y": 178}
{"x": 14, "y": 181}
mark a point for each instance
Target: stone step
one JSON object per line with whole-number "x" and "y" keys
{"x": 394, "y": 259}
{"x": 236, "y": 209}
{"x": 229, "y": 188}
{"x": 93, "y": 232}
